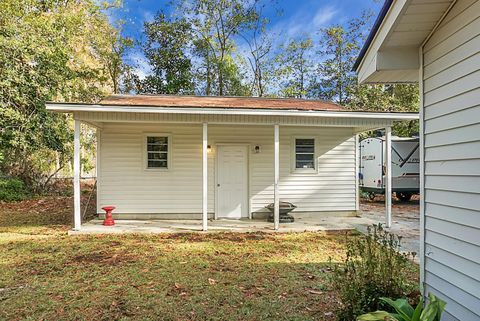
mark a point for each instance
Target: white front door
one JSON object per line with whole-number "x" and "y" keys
{"x": 232, "y": 181}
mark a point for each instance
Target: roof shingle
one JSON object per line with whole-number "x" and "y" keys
{"x": 219, "y": 102}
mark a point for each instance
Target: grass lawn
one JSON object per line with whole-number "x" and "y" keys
{"x": 47, "y": 275}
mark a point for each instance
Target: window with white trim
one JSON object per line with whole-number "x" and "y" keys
{"x": 304, "y": 153}
{"x": 157, "y": 152}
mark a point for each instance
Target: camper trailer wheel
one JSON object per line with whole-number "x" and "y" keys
{"x": 404, "y": 196}
{"x": 371, "y": 196}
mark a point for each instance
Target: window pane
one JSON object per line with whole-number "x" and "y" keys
{"x": 157, "y": 164}
{"x": 305, "y": 153}
{"x": 154, "y": 156}
{"x": 157, "y": 148}
{"x": 304, "y": 145}
{"x": 305, "y": 164}
{"x": 157, "y": 140}
{"x": 305, "y": 157}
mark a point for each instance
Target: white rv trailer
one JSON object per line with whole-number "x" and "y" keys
{"x": 405, "y": 166}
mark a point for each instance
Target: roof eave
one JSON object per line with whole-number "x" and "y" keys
{"x": 71, "y": 108}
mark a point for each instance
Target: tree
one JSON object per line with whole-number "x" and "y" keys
{"x": 338, "y": 49}
{"x": 215, "y": 24}
{"x": 335, "y": 80}
{"x": 166, "y": 50}
{"x": 260, "y": 47}
{"x": 49, "y": 50}
{"x": 397, "y": 97}
{"x": 113, "y": 56}
{"x": 295, "y": 68}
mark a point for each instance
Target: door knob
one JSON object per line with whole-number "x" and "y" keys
{"x": 218, "y": 185}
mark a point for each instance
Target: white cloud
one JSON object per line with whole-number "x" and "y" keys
{"x": 324, "y": 16}
{"x": 304, "y": 22}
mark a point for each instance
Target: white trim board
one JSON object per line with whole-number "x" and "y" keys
{"x": 70, "y": 108}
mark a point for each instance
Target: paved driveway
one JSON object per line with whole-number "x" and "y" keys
{"x": 405, "y": 220}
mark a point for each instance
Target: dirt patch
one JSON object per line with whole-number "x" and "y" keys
{"x": 104, "y": 258}
{"x": 229, "y": 237}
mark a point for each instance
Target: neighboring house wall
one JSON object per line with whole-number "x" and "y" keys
{"x": 123, "y": 182}
{"x": 451, "y": 82}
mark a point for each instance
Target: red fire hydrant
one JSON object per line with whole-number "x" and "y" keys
{"x": 108, "y": 221}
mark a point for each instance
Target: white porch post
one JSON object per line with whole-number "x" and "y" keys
{"x": 388, "y": 176}
{"x": 357, "y": 171}
{"x": 77, "y": 216}
{"x": 205, "y": 178}
{"x": 276, "y": 198}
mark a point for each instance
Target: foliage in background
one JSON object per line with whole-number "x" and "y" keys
{"x": 12, "y": 189}
{"x": 294, "y": 68}
{"x": 339, "y": 47}
{"x": 49, "y": 51}
{"x": 215, "y": 25}
{"x": 432, "y": 311}
{"x": 373, "y": 268}
{"x": 195, "y": 50}
{"x": 165, "y": 51}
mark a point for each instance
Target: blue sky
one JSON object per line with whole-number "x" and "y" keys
{"x": 298, "y": 18}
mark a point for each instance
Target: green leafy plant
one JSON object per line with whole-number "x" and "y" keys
{"x": 12, "y": 189}
{"x": 373, "y": 268}
{"x": 432, "y": 311}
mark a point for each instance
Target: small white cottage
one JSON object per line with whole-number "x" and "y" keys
{"x": 223, "y": 157}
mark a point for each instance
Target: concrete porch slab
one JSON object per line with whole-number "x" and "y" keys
{"x": 321, "y": 224}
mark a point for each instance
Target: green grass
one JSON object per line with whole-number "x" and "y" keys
{"x": 47, "y": 275}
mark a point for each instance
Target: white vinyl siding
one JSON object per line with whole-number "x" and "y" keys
{"x": 451, "y": 82}
{"x": 125, "y": 184}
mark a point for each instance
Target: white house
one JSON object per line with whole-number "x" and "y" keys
{"x": 437, "y": 43}
{"x": 223, "y": 157}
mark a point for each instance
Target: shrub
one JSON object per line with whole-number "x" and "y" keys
{"x": 373, "y": 268}
{"x": 12, "y": 189}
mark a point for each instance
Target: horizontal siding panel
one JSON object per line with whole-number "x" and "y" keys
{"x": 462, "y": 118}
{"x": 453, "y": 214}
{"x": 456, "y": 70}
{"x": 459, "y": 16}
{"x": 465, "y": 184}
{"x": 455, "y": 199}
{"x": 470, "y": 150}
{"x": 460, "y": 308}
{"x": 453, "y": 104}
{"x": 453, "y": 136}
{"x": 465, "y": 286}
{"x": 460, "y": 232}
{"x": 466, "y": 167}
{"x": 466, "y": 32}
{"x": 464, "y": 266}
{"x": 466, "y": 83}
{"x": 450, "y": 244}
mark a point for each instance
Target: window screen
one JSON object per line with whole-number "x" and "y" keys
{"x": 157, "y": 152}
{"x": 304, "y": 153}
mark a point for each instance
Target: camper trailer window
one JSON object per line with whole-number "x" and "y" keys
{"x": 304, "y": 153}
